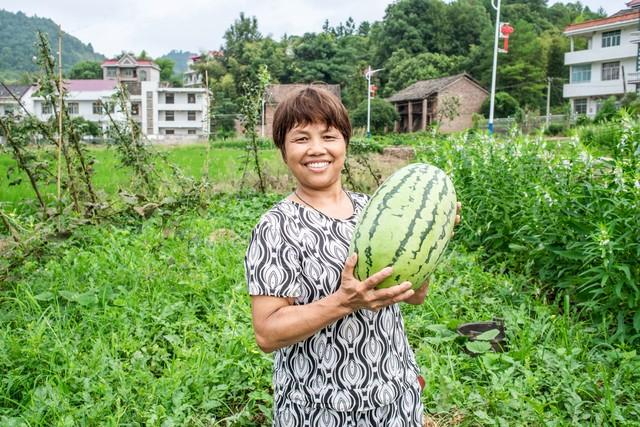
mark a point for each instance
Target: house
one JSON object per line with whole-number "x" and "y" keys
{"x": 424, "y": 102}
{"x": 193, "y": 77}
{"x": 83, "y": 98}
{"x": 276, "y": 93}
{"x": 161, "y": 111}
{"x": 14, "y": 99}
{"x": 608, "y": 63}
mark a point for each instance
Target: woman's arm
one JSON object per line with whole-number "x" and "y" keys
{"x": 278, "y": 323}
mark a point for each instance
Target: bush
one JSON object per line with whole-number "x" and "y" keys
{"x": 555, "y": 129}
{"x": 607, "y": 110}
{"x": 383, "y": 115}
{"x": 505, "y": 105}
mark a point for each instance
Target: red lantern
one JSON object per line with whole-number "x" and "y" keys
{"x": 505, "y": 31}
{"x": 373, "y": 89}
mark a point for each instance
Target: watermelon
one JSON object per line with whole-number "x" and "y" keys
{"x": 407, "y": 224}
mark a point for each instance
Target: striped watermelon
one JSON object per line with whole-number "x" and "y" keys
{"x": 406, "y": 224}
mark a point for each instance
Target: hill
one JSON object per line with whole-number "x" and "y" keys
{"x": 18, "y": 35}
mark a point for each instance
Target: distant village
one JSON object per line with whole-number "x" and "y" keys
{"x": 596, "y": 73}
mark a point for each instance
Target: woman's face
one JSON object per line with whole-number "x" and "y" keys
{"x": 315, "y": 155}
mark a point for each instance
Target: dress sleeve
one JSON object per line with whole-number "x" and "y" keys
{"x": 272, "y": 262}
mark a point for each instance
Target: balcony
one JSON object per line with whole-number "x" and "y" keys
{"x": 633, "y": 78}
{"x": 596, "y": 88}
{"x": 586, "y": 56}
{"x": 180, "y": 124}
{"x": 181, "y": 107}
{"x": 634, "y": 37}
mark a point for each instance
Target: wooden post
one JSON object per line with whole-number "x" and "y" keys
{"x": 410, "y": 114}
{"x": 60, "y": 113}
{"x": 396, "y": 125}
{"x": 425, "y": 103}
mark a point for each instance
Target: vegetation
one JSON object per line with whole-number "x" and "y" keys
{"x": 18, "y": 35}
{"x": 383, "y": 115}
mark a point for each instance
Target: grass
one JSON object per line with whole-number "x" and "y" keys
{"x": 148, "y": 323}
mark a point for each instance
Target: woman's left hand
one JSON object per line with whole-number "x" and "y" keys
{"x": 420, "y": 294}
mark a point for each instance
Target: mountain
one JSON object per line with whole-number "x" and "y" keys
{"x": 17, "y": 49}
{"x": 180, "y": 58}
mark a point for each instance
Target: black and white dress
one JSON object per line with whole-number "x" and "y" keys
{"x": 359, "y": 363}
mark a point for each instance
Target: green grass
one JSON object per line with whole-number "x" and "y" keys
{"x": 225, "y": 168}
{"x": 151, "y": 325}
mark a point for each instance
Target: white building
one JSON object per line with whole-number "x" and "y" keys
{"x": 161, "y": 111}
{"x": 14, "y": 99}
{"x": 83, "y": 98}
{"x": 192, "y": 77}
{"x": 610, "y": 64}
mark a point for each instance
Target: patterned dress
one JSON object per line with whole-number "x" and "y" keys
{"x": 360, "y": 363}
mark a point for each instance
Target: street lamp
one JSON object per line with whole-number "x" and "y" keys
{"x": 495, "y": 65}
{"x": 368, "y": 75}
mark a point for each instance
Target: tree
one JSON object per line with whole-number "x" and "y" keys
{"x": 166, "y": 68}
{"x": 86, "y": 70}
{"x": 505, "y": 105}
{"x": 243, "y": 30}
{"x": 383, "y": 115}
{"x": 404, "y": 69}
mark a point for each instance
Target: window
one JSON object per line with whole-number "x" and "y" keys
{"x": 97, "y": 107}
{"x": 143, "y": 75}
{"x": 611, "y": 70}
{"x": 111, "y": 72}
{"x": 46, "y": 108}
{"x": 168, "y": 98}
{"x": 72, "y": 108}
{"x": 581, "y": 73}
{"x": 169, "y": 132}
{"x": 191, "y": 115}
{"x": 127, "y": 72}
{"x": 169, "y": 116}
{"x": 191, "y": 132}
{"x": 135, "y": 109}
{"x": 191, "y": 98}
{"x": 580, "y": 106}
{"x": 611, "y": 38}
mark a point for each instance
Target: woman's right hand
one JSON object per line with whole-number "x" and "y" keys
{"x": 356, "y": 294}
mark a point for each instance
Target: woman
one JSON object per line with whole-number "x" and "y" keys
{"x": 341, "y": 353}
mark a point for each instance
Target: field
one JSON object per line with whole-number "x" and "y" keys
{"x": 147, "y": 322}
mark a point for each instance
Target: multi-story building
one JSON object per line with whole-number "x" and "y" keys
{"x": 83, "y": 98}
{"x": 608, "y": 64}
{"x": 161, "y": 111}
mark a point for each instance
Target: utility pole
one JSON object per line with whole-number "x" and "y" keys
{"x": 495, "y": 66}
{"x": 60, "y": 113}
{"x": 549, "y": 79}
{"x": 368, "y": 75}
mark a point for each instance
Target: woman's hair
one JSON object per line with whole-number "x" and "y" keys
{"x": 309, "y": 106}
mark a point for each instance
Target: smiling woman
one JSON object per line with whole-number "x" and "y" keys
{"x": 341, "y": 353}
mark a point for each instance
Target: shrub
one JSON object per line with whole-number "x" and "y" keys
{"x": 505, "y": 105}
{"x": 383, "y": 115}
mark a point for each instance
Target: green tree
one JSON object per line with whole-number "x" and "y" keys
{"x": 505, "y": 105}
{"x": 86, "y": 70}
{"x": 405, "y": 69}
{"x": 166, "y": 68}
{"x": 383, "y": 115}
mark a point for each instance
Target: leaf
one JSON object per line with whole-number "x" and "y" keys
{"x": 44, "y": 296}
{"x": 488, "y": 335}
{"x": 87, "y": 299}
{"x": 478, "y": 347}
{"x": 69, "y": 295}
{"x": 636, "y": 321}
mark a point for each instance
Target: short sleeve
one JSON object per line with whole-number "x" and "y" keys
{"x": 272, "y": 263}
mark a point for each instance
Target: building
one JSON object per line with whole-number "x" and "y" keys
{"x": 604, "y": 59}
{"x": 193, "y": 77}
{"x": 423, "y": 103}
{"x": 14, "y": 99}
{"x": 161, "y": 111}
{"x": 83, "y": 98}
{"x": 276, "y": 93}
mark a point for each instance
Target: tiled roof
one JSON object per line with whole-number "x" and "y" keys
{"x": 17, "y": 90}
{"x": 633, "y": 3}
{"x": 276, "y": 93}
{"x": 89, "y": 85}
{"x": 424, "y": 88}
{"x": 621, "y": 16}
{"x": 138, "y": 61}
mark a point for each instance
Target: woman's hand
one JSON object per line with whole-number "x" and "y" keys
{"x": 420, "y": 294}
{"x": 356, "y": 294}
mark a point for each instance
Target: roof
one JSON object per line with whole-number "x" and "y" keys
{"x": 633, "y": 3}
{"x": 17, "y": 90}
{"x": 620, "y": 17}
{"x": 276, "y": 93}
{"x": 90, "y": 85}
{"x": 129, "y": 60}
{"x": 424, "y": 88}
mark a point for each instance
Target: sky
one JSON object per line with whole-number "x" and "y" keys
{"x": 159, "y": 26}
